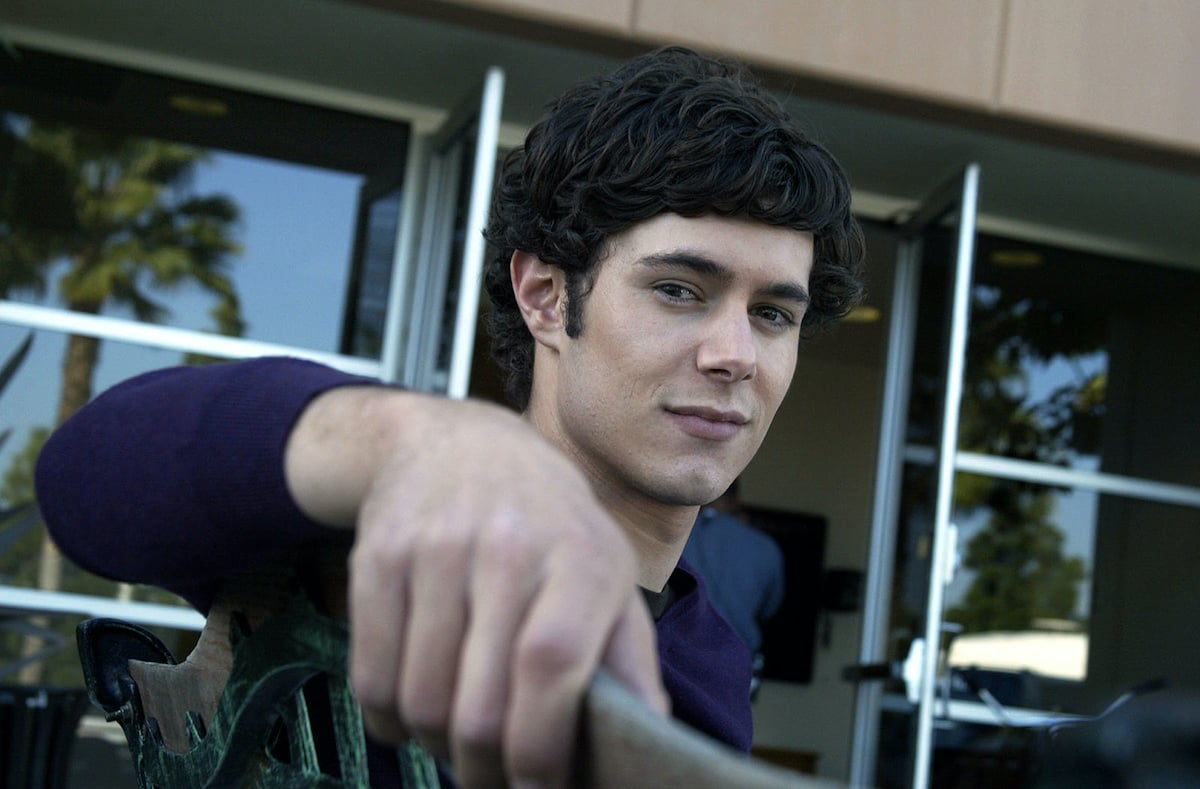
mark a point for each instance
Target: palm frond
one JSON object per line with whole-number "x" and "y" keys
{"x": 15, "y": 523}
{"x": 15, "y": 360}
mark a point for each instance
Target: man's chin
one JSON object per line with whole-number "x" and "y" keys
{"x": 693, "y": 491}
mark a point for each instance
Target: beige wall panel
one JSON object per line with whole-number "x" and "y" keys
{"x": 608, "y": 16}
{"x": 946, "y": 49}
{"x": 1125, "y": 66}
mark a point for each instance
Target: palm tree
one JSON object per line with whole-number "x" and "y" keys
{"x": 120, "y": 212}
{"x": 118, "y": 216}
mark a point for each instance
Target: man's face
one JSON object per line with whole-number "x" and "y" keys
{"x": 689, "y": 342}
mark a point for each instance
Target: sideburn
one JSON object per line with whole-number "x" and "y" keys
{"x": 577, "y": 286}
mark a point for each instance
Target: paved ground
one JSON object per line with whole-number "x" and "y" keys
{"x": 100, "y": 758}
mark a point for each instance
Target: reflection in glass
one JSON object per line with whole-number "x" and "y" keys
{"x": 1021, "y": 596}
{"x": 160, "y": 231}
{"x": 100, "y": 220}
{"x": 371, "y": 277}
{"x": 119, "y": 200}
{"x": 1070, "y": 358}
{"x": 1066, "y": 599}
{"x": 1073, "y": 359}
{"x": 1074, "y": 596}
{"x": 103, "y": 223}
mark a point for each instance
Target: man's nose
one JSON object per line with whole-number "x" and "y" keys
{"x": 728, "y": 349}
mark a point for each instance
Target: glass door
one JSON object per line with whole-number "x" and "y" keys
{"x": 432, "y": 333}
{"x": 1037, "y": 512}
{"x": 914, "y": 544}
{"x": 381, "y": 210}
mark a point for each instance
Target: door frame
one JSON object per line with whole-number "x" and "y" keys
{"x": 958, "y": 196}
{"x": 469, "y": 137}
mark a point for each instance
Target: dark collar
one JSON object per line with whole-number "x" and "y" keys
{"x": 678, "y": 585}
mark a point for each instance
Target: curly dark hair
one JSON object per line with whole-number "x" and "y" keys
{"x": 670, "y": 131}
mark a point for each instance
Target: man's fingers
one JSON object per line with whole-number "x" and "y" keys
{"x": 375, "y": 651}
{"x": 478, "y": 620}
{"x": 555, "y": 656}
{"x": 437, "y": 622}
{"x": 504, "y": 580}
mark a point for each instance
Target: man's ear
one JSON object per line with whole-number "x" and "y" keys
{"x": 540, "y": 289}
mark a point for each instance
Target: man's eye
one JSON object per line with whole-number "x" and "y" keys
{"x": 676, "y": 292}
{"x": 775, "y": 316}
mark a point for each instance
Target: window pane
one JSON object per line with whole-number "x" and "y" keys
{"x": 1084, "y": 360}
{"x": 283, "y": 258}
{"x": 366, "y": 315}
{"x": 1069, "y": 598}
{"x": 139, "y": 196}
{"x": 1022, "y": 595}
{"x": 1146, "y": 596}
{"x": 1072, "y": 359}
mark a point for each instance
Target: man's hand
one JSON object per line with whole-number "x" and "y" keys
{"x": 486, "y": 582}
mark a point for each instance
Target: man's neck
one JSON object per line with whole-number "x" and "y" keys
{"x": 657, "y": 532}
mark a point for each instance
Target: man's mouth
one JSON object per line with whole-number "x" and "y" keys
{"x": 711, "y": 414}
{"x": 713, "y": 424}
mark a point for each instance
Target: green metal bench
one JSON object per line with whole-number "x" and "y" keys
{"x": 263, "y": 700}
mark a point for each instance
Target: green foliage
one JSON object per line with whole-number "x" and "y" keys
{"x": 1021, "y": 574}
{"x": 1010, "y": 333}
{"x": 16, "y": 487}
{"x": 1020, "y": 571}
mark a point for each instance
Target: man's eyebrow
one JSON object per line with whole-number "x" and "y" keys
{"x": 706, "y": 266}
{"x": 788, "y": 292}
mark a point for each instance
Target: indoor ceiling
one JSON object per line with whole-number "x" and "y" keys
{"x": 358, "y": 56}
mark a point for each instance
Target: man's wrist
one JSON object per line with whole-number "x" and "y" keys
{"x": 338, "y": 443}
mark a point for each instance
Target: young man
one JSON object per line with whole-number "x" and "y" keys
{"x": 664, "y": 234}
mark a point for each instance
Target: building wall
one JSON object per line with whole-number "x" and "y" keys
{"x": 1122, "y": 69}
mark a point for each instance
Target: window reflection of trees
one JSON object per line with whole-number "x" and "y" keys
{"x": 1020, "y": 571}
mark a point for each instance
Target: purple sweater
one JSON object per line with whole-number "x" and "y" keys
{"x": 175, "y": 478}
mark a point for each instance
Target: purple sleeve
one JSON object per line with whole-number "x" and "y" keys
{"x": 175, "y": 478}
